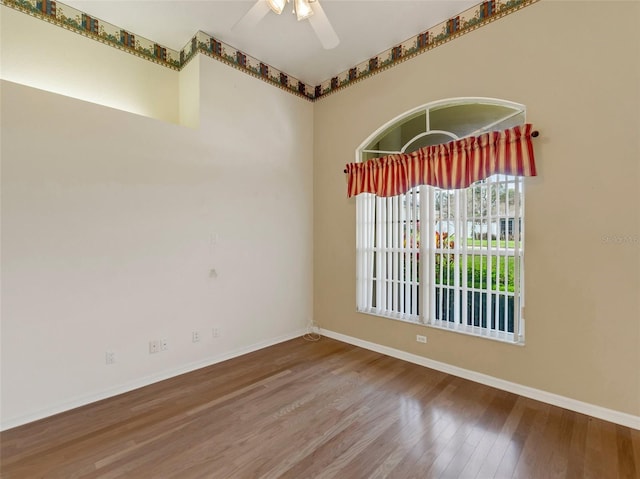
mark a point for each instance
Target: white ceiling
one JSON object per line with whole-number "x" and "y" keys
{"x": 365, "y": 28}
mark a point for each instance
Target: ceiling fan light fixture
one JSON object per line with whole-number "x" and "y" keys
{"x": 303, "y": 9}
{"x": 277, "y": 5}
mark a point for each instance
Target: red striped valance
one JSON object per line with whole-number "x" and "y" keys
{"x": 452, "y": 165}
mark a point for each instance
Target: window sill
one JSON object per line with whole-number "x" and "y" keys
{"x": 405, "y": 318}
{"x": 474, "y": 331}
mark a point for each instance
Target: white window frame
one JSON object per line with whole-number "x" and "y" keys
{"x": 392, "y": 283}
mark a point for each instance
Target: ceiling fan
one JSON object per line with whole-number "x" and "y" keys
{"x": 303, "y": 9}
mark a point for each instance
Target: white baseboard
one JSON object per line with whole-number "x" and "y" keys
{"x": 599, "y": 412}
{"x": 144, "y": 381}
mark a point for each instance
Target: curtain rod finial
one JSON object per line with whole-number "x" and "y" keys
{"x": 535, "y": 133}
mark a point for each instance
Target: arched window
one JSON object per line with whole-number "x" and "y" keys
{"x": 445, "y": 258}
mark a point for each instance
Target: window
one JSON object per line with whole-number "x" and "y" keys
{"x": 446, "y": 258}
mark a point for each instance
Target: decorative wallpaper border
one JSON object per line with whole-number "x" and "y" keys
{"x": 465, "y": 22}
{"x": 207, "y": 45}
{"x": 104, "y": 32}
{"x": 96, "y": 29}
{"x": 72, "y": 19}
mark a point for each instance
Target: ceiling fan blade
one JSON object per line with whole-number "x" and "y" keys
{"x": 253, "y": 16}
{"x": 322, "y": 26}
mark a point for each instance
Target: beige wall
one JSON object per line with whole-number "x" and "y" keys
{"x": 576, "y": 67}
{"x": 112, "y": 223}
{"x": 48, "y": 57}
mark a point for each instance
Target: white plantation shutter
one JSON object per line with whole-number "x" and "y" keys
{"x": 387, "y": 255}
{"x": 474, "y": 278}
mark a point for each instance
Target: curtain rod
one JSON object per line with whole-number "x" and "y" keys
{"x": 534, "y": 134}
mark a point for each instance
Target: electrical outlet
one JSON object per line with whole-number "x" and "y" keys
{"x": 164, "y": 345}
{"x": 154, "y": 346}
{"x": 215, "y": 332}
{"x": 110, "y": 357}
{"x": 420, "y": 338}
{"x": 195, "y": 336}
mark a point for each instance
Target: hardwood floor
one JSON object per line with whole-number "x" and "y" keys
{"x": 321, "y": 410}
